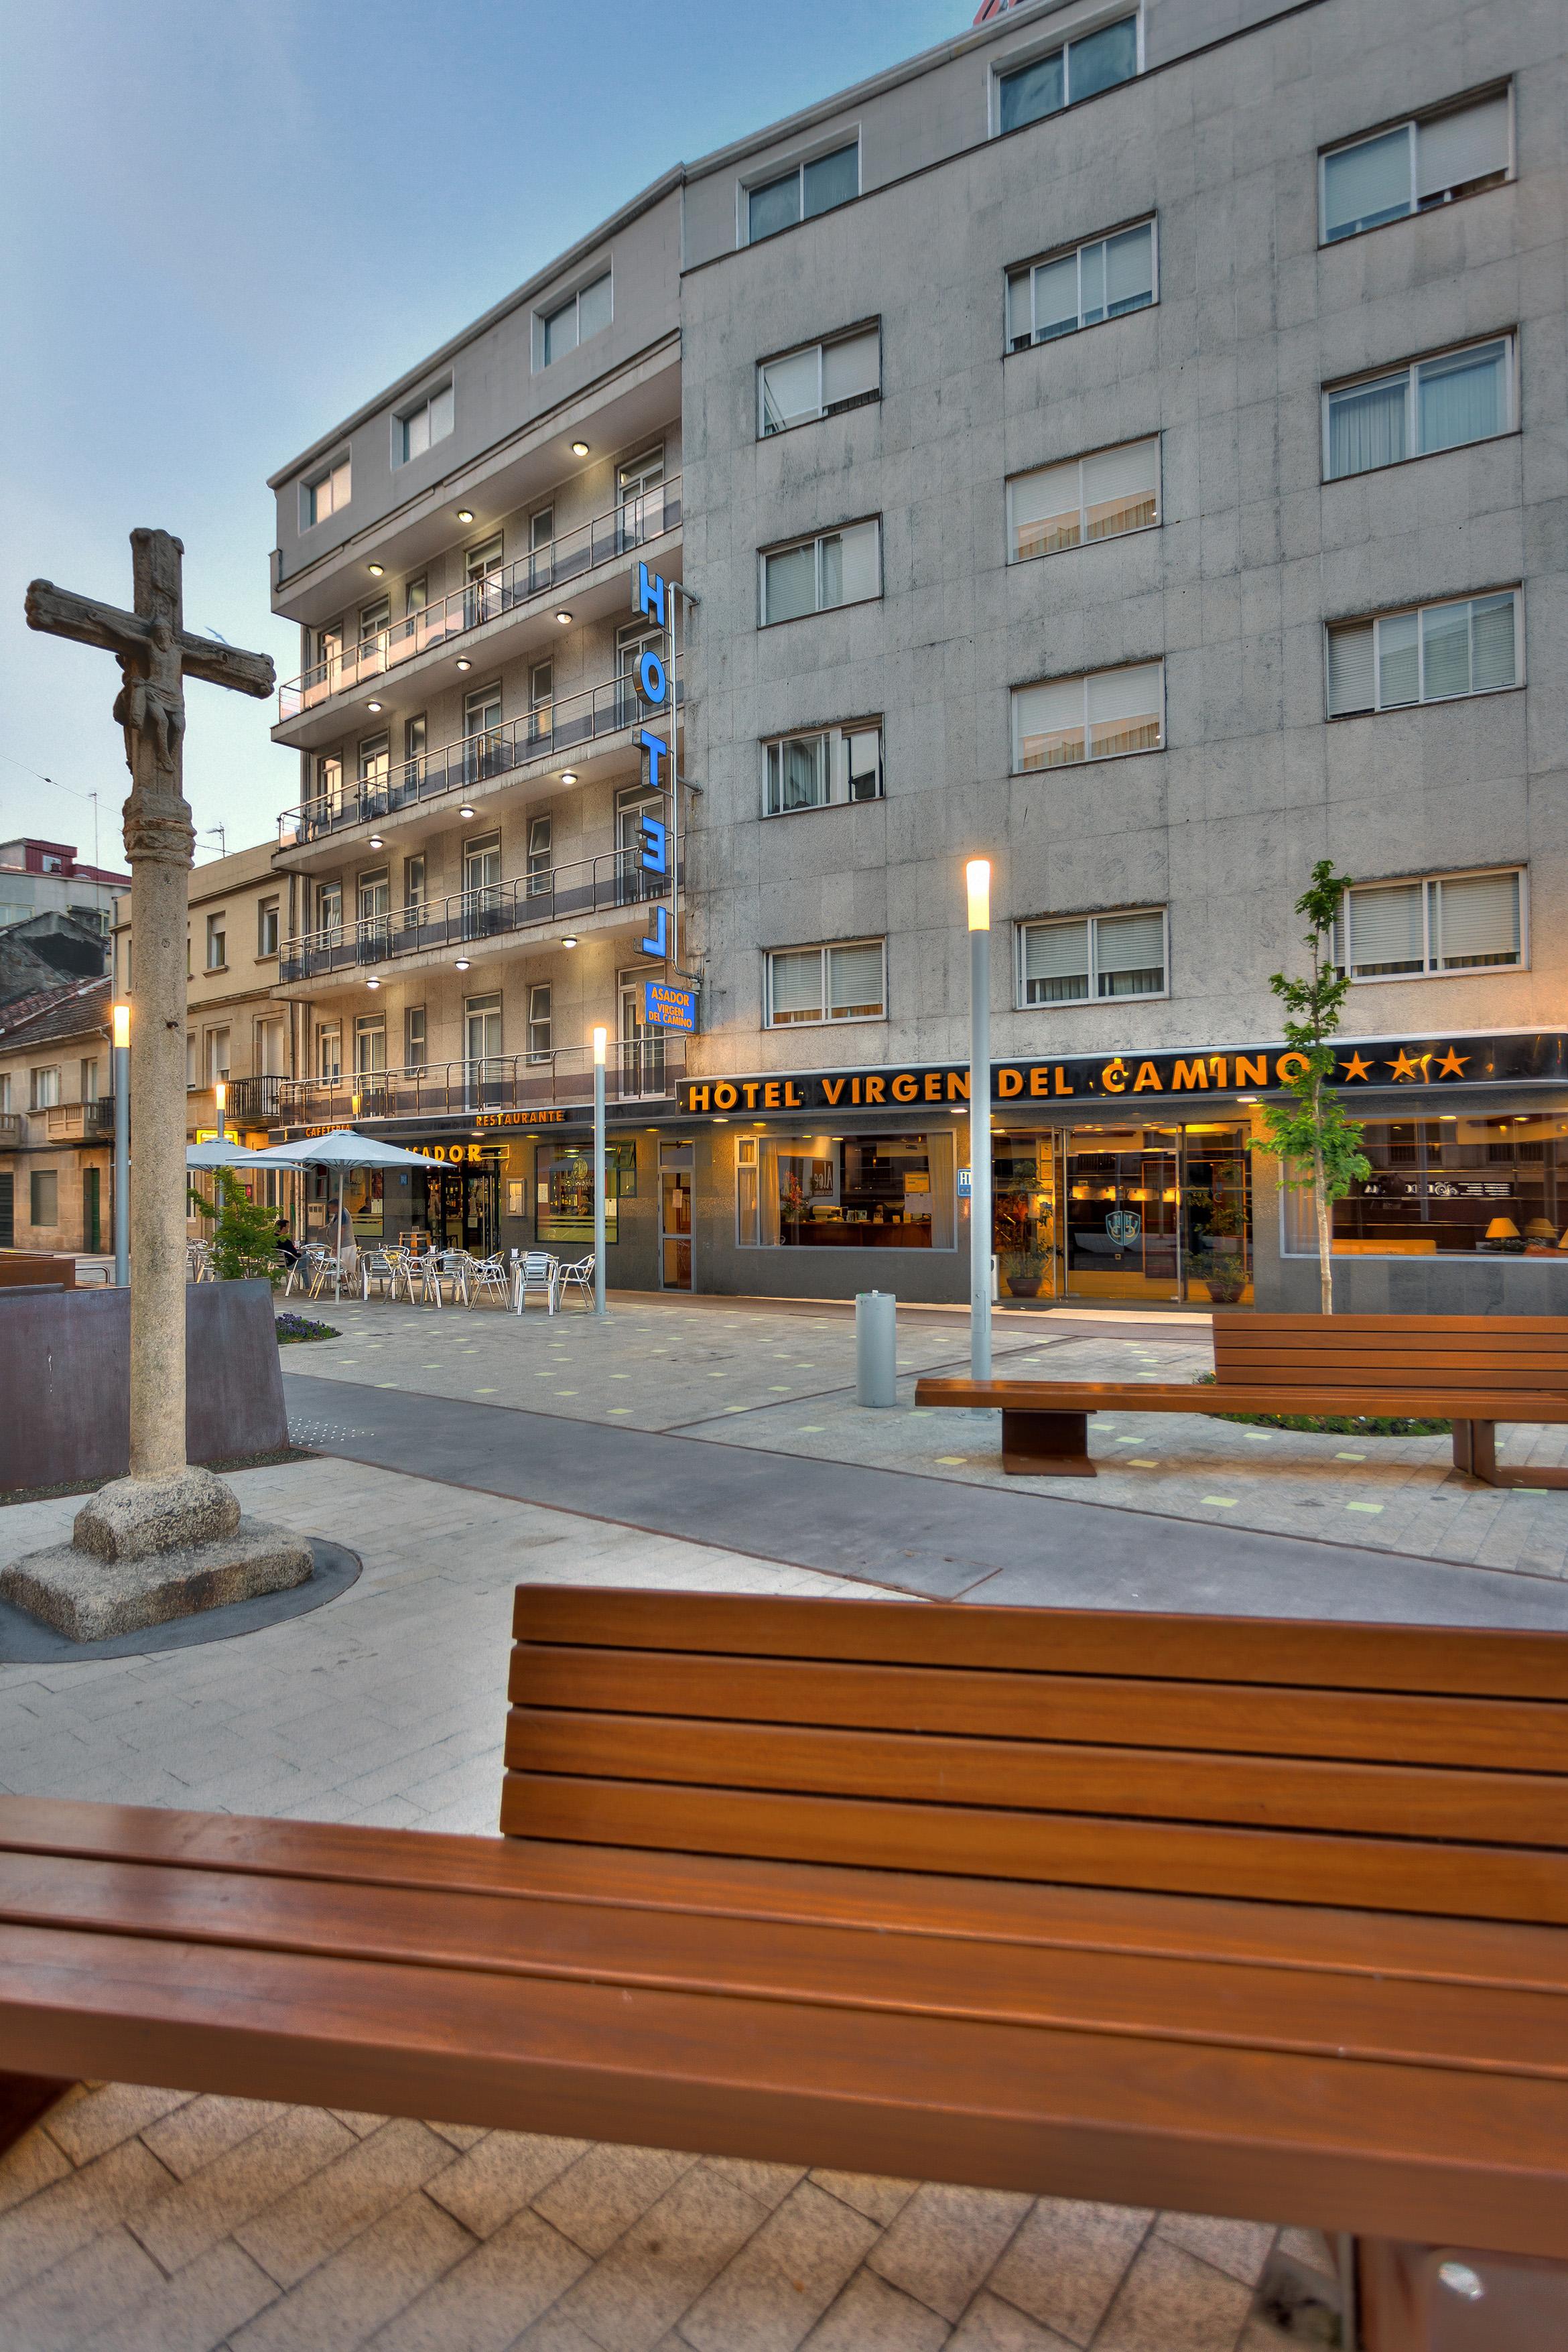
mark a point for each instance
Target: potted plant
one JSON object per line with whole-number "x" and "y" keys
{"x": 1024, "y": 1267}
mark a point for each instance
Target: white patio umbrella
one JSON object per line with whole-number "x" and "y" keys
{"x": 214, "y": 1154}
{"x": 342, "y": 1150}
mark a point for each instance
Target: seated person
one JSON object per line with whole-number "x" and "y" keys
{"x": 285, "y": 1244}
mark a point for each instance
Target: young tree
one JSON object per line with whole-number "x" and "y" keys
{"x": 245, "y": 1235}
{"x": 1312, "y": 1132}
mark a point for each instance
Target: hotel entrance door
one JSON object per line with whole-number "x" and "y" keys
{"x": 675, "y": 1173}
{"x": 1123, "y": 1215}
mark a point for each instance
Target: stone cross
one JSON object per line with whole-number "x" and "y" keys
{"x": 155, "y": 654}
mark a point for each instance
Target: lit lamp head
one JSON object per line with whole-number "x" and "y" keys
{"x": 1502, "y": 1233}
{"x": 121, "y": 1025}
{"x": 220, "y": 1093}
{"x": 601, "y": 1041}
{"x": 977, "y": 877}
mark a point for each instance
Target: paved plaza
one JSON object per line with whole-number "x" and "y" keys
{"x": 137, "y": 2218}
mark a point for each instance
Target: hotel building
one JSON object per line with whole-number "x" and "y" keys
{"x": 1125, "y": 442}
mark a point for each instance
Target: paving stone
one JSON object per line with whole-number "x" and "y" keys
{"x": 462, "y": 2135}
{"x": 1239, "y": 2248}
{"x": 504, "y": 2171}
{"x": 207, "y": 2129}
{"x": 74, "y": 2296}
{"x": 991, "y": 2325}
{"x": 1172, "y": 2302}
{"x": 482, "y": 2302}
{"x": 599, "y": 2197}
{"x": 194, "y": 2310}
{"x": 29, "y": 2164}
{"x": 945, "y": 2241}
{"x": 312, "y": 2221}
{"x": 112, "y": 2190}
{"x": 375, "y": 2276}
{"x": 1068, "y": 2260}
{"x": 869, "y": 2192}
{"x": 1310, "y": 2246}
{"x": 214, "y": 2202}
{"x": 872, "y": 2316}
{"x": 105, "y": 2115}
{"x": 777, "y": 2287}
{"x": 555, "y": 2332}
{"x": 665, "y": 2260}
{"x": 353, "y": 2119}
{"x": 770, "y": 2184}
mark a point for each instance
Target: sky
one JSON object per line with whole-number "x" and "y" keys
{"x": 229, "y": 222}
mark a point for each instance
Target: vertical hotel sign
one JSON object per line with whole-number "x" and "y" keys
{"x": 659, "y": 842}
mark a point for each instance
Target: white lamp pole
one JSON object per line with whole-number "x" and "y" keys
{"x": 977, "y": 874}
{"x": 121, "y": 1084}
{"x": 601, "y": 1040}
{"x": 220, "y": 1102}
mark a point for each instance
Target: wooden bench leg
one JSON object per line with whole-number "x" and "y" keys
{"x": 1416, "y": 2298}
{"x": 1045, "y": 1444}
{"x": 23, "y": 2099}
{"x": 1475, "y": 1449}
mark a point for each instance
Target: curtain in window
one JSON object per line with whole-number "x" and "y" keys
{"x": 1056, "y": 298}
{"x": 1048, "y": 725}
{"x": 1045, "y": 511}
{"x": 1120, "y": 490}
{"x": 1130, "y": 270}
{"x": 1445, "y": 651}
{"x": 831, "y": 180}
{"x": 1387, "y": 930}
{"x": 768, "y": 1195}
{"x": 790, "y": 390}
{"x": 1365, "y": 184}
{"x": 1462, "y": 398}
{"x": 1366, "y": 425}
{"x": 594, "y": 308}
{"x": 1398, "y": 661}
{"x": 797, "y": 773}
{"x": 795, "y": 985}
{"x": 1031, "y": 95}
{"x": 854, "y": 981}
{"x": 1476, "y": 920}
{"x": 1124, "y": 710}
{"x": 1352, "y": 684}
{"x": 941, "y": 1160}
{"x": 1457, "y": 149}
{"x": 790, "y": 583}
{"x": 1493, "y": 657}
{"x": 1104, "y": 58}
{"x": 850, "y": 368}
{"x": 774, "y": 207}
{"x": 1055, "y": 963}
{"x": 859, "y": 566}
{"x": 1091, "y": 284}
{"x": 1129, "y": 955}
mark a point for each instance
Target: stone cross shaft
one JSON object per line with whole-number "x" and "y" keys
{"x": 155, "y": 655}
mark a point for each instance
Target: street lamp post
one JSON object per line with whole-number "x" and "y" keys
{"x": 601, "y": 1040}
{"x": 121, "y": 1086}
{"x": 977, "y": 874}
{"x": 220, "y": 1101}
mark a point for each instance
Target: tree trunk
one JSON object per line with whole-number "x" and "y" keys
{"x": 1325, "y": 1224}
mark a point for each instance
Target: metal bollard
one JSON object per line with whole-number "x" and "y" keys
{"x": 876, "y": 1347}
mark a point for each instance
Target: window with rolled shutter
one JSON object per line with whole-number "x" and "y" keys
{"x": 1476, "y": 922}
{"x": 1129, "y": 955}
{"x": 1387, "y": 930}
{"x": 1460, "y": 150}
{"x": 1056, "y": 963}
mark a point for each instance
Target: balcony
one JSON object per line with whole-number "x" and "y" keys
{"x": 80, "y": 1122}
{"x": 642, "y": 1069}
{"x": 547, "y": 569}
{"x": 561, "y": 893}
{"x": 551, "y": 731}
{"x": 253, "y": 1102}
{"x": 12, "y": 1130}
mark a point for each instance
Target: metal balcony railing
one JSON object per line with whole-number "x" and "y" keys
{"x": 12, "y": 1129}
{"x": 79, "y": 1121}
{"x": 544, "y": 733}
{"x": 554, "y": 895}
{"x": 638, "y": 1069}
{"x": 254, "y": 1098}
{"x": 625, "y": 528}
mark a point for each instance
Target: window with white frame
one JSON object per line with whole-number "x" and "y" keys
{"x": 802, "y": 192}
{"x": 1432, "y": 652}
{"x": 844, "y": 982}
{"x": 1101, "y": 497}
{"x": 1106, "y": 716}
{"x": 4, "y": 1090}
{"x": 822, "y": 380}
{"x": 326, "y": 493}
{"x": 541, "y": 855}
{"x": 370, "y": 1045}
{"x": 829, "y": 764}
{"x": 414, "y": 1044}
{"x": 374, "y": 619}
{"x": 1084, "y": 957}
{"x": 586, "y": 312}
{"x": 1415, "y": 165}
{"x": 541, "y": 1021}
{"x": 1103, "y": 280}
{"x": 414, "y": 429}
{"x": 217, "y": 942}
{"x": 817, "y": 575}
{"x": 89, "y": 1075}
{"x": 190, "y": 1060}
{"x": 218, "y": 1055}
{"x": 1065, "y": 76}
{"x": 1441, "y": 403}
{"x": 1437, "y": 923}
{"x": 330, "y": 1050}
{"x": 44, "y": 1087}
{"x": 267, "y": 927}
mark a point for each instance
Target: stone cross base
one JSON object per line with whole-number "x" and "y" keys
{"x": 148, "y": 1549}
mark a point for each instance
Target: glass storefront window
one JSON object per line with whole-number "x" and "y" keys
{"x": 1449, "y": 1187}
{"x": 827, "y": 1192}
{"x": 1157, "y": 1212}
{"x": 564, "y": 1192}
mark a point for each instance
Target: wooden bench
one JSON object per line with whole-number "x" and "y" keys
{"x": 1472, "y": 1370}
{"x": 1241, "y": 1918}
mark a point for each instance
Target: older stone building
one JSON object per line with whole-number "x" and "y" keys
{"x": 1124, "y": 442}
{"x": 56, "y": 1119}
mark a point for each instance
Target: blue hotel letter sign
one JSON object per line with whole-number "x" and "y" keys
{"x": 668, "y": 1007}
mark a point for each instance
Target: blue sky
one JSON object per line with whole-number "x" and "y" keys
{"x": 230, "y": 221}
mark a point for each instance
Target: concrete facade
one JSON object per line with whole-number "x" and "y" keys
{"x": 1254, "y": 555}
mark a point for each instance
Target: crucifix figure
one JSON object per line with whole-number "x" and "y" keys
{"x": 164, "y": 1505}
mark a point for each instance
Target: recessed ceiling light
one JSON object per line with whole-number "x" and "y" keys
{"x": 720, "y": 1123}
{"x": 372, "y": 705}
{"x": 564, "y": 618}
{"x": 376, "y": 842}
{"x": 463, "y": 662}
{"x": 465, "y": 514}
{"x": 465, "y": 809}
{"x": 569, "y": 941}
{"x": 462, "y": 963}
{"x": 568, "y": 776}
{"x": 375, "y": 570}
{"x": 579, "y": 448}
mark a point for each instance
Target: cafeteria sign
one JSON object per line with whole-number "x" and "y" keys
{"x": 668, "y": 1007}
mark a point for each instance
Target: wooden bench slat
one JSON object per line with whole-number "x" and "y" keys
{"x": 1307, "y": 1652}
{"x": 1432, "y": 1375}
{"x": 1244, "y": 1719}
{"x": 1158, "y": 1396}
{"x": 1087, "y": 1990}
{"x": 1399, "y": 2149}
{"x": 1417, "y": 1326}
{"x": 1387, "y": 1801}
{"x": 1482, "y": 1882}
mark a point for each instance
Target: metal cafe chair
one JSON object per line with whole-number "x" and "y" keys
{"x": 381, "y": 1268}
{"x": 536, "y": 1270}
{"x": 453, "y": 1267}
{"x": 303, "y": 1270}
{"x": 427, "y": 1271}
{"x": 580, "y": 1276}
{"x": 489, "y": 1279}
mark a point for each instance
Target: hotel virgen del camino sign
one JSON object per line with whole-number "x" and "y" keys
{"x": 1521, "y": 1058}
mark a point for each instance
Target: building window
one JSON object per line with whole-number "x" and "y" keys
{"x": 374, "y": 619}
{"x": 540, "y": 1025}
{"x": 430, "y": 420}
{"x": 267, "y": 927}
{"x": 481, "y": 710}
{"x": 1092, "y": 957}
{"x": 414, "y": 1036}
{"x": 802, "y": 192}
{"x": 541, "y": 856}
{"x": 841, "y": 567}
{"x": 190, "y": 1060}
{"x": 1433, "y": 653}
{"x": 370, "y": 1045}
{"x": 329, "y": 799}
{"x": 372, "y": 892}
{"x": 415, "y": 596}
{"x": 269, "y": 1048}
{"x": 572, "y": 321}
{"x": 564, "y": 1178}
{"x": 820, "y": 381}
{"x": 218, "y": 1055}
{"x": 44, "y": 1204}
{"x": 1101, "y": 497}
{"x": 1447, "y": 922}
{"x": 414, "y": 889}
{"x": 828, "y": 983}
{"x": 1442, "y": 403}
{"x": 4, "y": 1090}
{"x": 838, "y": 1191}
{"x": 1415, "y": 166}
{"x": 482, "y": 1028}
{"x": 415, "y": 736}
{"x": 374, "y": 761}
{"x": 1458, "y": 1186}
{"x": 326, "y": 493}
{"x": 541, "y": 531}
{"x": 44, "y": 1087}
{"x": 330, "y": 912}
{"x": 217, "y": 942}
{"x": 1106, "y": 716}
{"x": 1068, "y": 75}
{"x": 1080, "y": 288}
{"x": 330, "y": 1051}
{"x": 90, "y": 1079}
{"x": 838, "y": 763}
